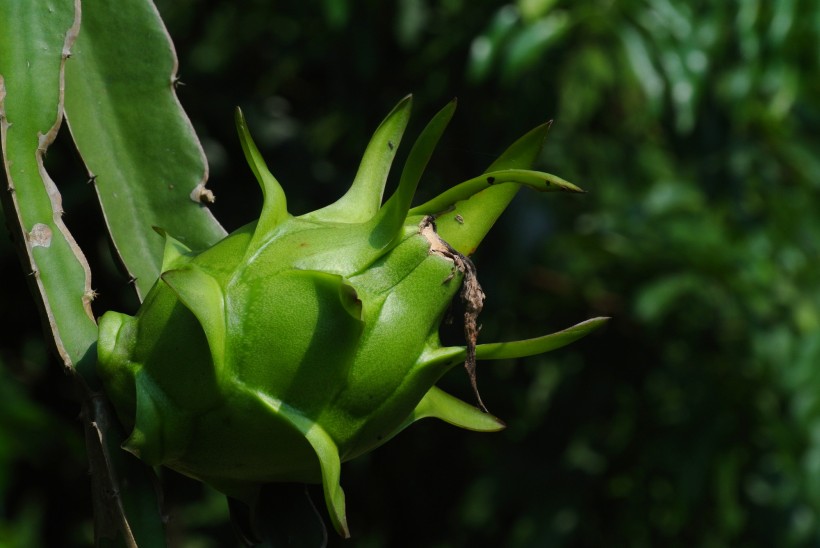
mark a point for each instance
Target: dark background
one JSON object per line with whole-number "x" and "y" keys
{"x": 690, "y": 420}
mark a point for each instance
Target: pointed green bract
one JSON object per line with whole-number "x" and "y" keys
{"x": 275, "y": 208}
{"x": 364, "y": 198}
{"x": 331, "y": 474}
{"x": 175, "y": 253}
{"x": 329, "y": 462}
{"x": 441, "y": 405}
{"x": 536, "y": 180}
{"x": 479, "y": 212}
{"x": 538, "y": 345}
{"x": 524, "y": 151}
{"x": 393, "y": 214}
{"x": 316, "y": 336}
{"x": 202, "y": 295}
{"x": 446, "y": 357}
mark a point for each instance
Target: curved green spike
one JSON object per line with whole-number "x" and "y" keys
{"x": 364, "y": 198}
{"x": 390, "y": 219}
{"x": 275, "y": 206}
{"x": 479, "y": 212}
{"x": 524, "y": 151}
{"x": 202, "y": 295}
{"x": 331, "y": 466}
{"x": 537, "y": 180}
{"x": 441, "y": 405}
{"x": 446, "y": 357}
{"x": 328, "y": 454}
{"x": 538, "y": 345}
{"x": 175, "y": 254}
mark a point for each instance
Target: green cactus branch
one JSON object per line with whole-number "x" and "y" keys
{"x": 137, "y": 144}
{"x": 31, "y": 109}
{"x": 64, "y": 59}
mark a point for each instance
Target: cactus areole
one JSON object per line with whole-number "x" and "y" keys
{"x": 300, "y": 342}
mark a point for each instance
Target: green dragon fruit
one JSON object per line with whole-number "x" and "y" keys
{"x": 300, "y": 342}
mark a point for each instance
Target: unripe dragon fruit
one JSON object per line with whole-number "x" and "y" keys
{"x": 300, "y": 342}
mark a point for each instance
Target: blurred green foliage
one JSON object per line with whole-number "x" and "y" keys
{"x": 43, "y": 473}
{"x": 694, "y": 419}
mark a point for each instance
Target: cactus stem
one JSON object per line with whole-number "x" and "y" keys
{"x": 471, "y": 295}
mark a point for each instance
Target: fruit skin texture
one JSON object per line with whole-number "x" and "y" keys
{"x": 297, "y": 343}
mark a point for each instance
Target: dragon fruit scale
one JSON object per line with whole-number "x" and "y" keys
{"x": 300, "y": 342}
